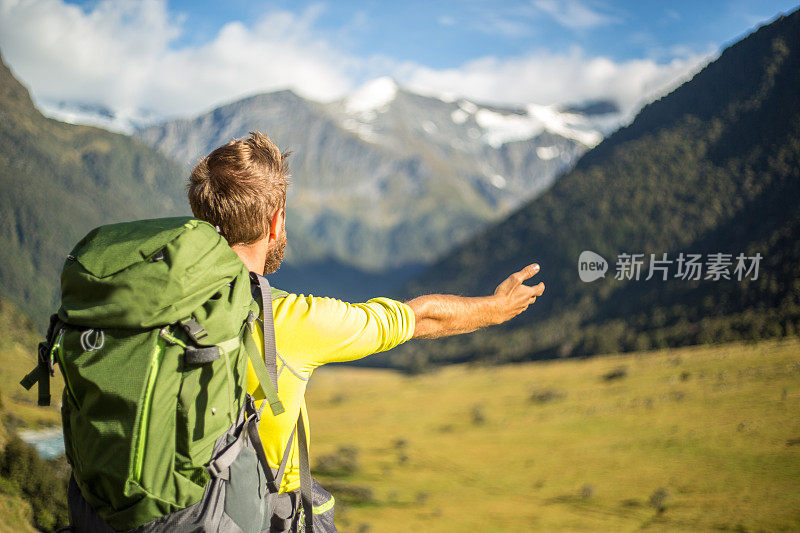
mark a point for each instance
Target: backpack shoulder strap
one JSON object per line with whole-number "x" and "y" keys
{"x": 270, "y": 355}
{"x": 268, "y": 327}
{"x": 266, "y": 368}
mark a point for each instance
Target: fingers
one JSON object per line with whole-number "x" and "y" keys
{"x": 526, "y": 273}
{"x": 532, "y": 292}
{"x": 538, "y": 290}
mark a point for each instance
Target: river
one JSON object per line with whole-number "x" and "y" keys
{"x": 48, "y": 442}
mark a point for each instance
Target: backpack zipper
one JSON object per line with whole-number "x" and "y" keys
{"x": 155, "y": 364}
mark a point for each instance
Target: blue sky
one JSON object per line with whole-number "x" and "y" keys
{"x": 180, "y": 57}
{"x": 448, "y": 33}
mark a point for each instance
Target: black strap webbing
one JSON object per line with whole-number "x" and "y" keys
{"x": 43, "y": 371}
{"x": 306, "y": 494}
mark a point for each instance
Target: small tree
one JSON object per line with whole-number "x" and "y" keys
{"x": 658, "y": 500}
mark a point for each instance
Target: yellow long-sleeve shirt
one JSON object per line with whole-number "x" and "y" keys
{"x": 310, "y": 332}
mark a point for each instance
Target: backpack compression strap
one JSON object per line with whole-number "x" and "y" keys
{"x": 306, "y": 495}
{"x": 44, "y": 369}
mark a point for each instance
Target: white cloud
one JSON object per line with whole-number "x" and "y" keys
{"x": 574, "y": 14}
{"x": 552, "y": 79}
{"x": 122, "y": 54}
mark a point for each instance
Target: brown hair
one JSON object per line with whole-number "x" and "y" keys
{"x": 239, "y": 187}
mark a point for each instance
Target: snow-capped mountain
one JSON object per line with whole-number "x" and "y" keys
{"x": 491, "y": 125}
{"x": 387, "y": 177}
{"x": 117, "y": 120}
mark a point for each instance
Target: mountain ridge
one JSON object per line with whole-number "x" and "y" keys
{"x": 60, "y": 181}
{"x": 386, "y": 177}
{"x": 714, "y": 164}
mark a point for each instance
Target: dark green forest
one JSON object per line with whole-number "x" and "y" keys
{"x": 713, "y": 167}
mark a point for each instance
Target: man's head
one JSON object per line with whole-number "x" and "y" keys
{"x": 241, "y": 188}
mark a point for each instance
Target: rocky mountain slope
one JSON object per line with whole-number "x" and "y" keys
{"x": 387, "y": 178}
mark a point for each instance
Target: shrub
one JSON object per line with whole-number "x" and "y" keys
{"x": 478, "y": 416}
{"x": 41, "y": 483}
{"x": 343, "y": 462}
{"x": 658, "y": 500}
{"x": 546, "y": 395}
{"x": 348, "y": 493}
{"x": 617, "y": 373}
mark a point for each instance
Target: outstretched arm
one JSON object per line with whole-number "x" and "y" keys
{"x": 440, "y": 315}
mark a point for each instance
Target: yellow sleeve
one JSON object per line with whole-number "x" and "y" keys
{"x": 313, "y": 331}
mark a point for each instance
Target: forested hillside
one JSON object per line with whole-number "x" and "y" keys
{"x": 713, "y": 167}
{"x": 58, "y": 182}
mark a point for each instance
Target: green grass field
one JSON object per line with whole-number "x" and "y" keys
{"x": 693, "y": 439}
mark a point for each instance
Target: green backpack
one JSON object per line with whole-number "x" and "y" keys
{"x": 153, "y": 338}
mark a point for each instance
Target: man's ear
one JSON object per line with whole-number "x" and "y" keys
{"x": 276, "y": 224}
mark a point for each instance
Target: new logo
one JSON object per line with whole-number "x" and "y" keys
{"x": 591, "y": 266}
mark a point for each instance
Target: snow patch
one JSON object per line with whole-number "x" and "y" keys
{"x": 373, "y": 96}
{"x": 363, "y": 131}
{"x": 567, "y": 125}
{"x": 499, "y": 129}
{"x": 498, "y": 181}
{"x": 459, "y": 116}
{"x": 468, "y": 106}
{"x": 547, "y": 153}
{"x": 117, "y": 120}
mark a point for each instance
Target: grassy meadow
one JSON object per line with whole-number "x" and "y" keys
{"x": 691, "y": 439}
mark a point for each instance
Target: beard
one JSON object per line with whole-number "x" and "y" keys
{"x": 275, "y": 255}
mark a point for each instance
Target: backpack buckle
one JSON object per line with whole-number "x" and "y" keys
{"x": 193, "y": 329}
{"x": 217, "y": 472}
{"x": 44, "y": 354}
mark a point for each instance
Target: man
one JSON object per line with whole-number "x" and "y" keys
{"x": 241, "y": 189}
